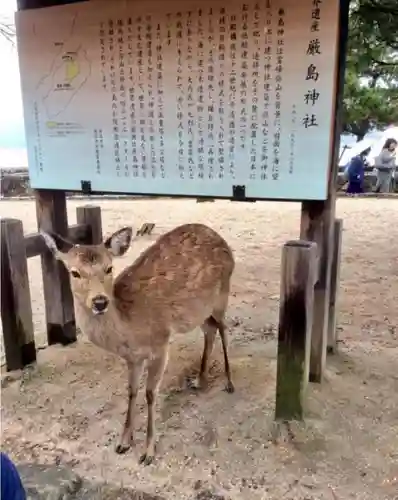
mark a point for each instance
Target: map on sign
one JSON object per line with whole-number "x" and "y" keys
{"x": 69, "y": 72}
{"x": 222, "y": 99}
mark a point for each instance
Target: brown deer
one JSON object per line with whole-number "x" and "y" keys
{"x": 178, "y": 283}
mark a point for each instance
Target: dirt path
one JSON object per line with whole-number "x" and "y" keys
{"x": 70, "y": 409}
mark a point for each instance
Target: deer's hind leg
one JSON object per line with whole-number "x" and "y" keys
{"x": 209, "y": 329}
{"x": 210, "y": 326}
{"x": 224, "y": 340}
{"x": 217, "y": 319}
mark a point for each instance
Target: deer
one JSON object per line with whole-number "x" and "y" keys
{"x": 178, "y": 283}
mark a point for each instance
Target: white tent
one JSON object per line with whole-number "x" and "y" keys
{"x": 358, "y": 148}
{"x": 389, "y": 133}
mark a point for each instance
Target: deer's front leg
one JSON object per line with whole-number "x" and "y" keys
{"x": 156, "y": 368}
{"x": 127, "y": 437}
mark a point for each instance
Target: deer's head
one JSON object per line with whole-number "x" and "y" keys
{"x": 90, "y": 266}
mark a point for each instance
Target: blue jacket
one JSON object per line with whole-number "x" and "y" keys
{"x": 11, "y": 485}
{"x": 356, "y": 170}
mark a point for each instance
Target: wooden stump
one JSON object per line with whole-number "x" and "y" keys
{"x": 91, "y": 216}
{"x": 16, "y": 308}
{"x": 299, "y": 270}
{"x": 146, "y": 228}
{"x": 60, "y": 315}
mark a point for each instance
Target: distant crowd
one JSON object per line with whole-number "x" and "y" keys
{"x": 385, "y": 164}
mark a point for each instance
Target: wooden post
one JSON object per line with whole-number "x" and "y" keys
{"x": 299, "y": 270}
{"x": 316, "y": 225}
{"x": 334, "y": 284}
{"x": 16, "y": 308}
{"x": 91, "y": 216}
{"x": 317, "y": 217}
{"x": 60, "y": 315}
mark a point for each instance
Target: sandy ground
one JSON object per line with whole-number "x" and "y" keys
{"x": 70, "y": 409}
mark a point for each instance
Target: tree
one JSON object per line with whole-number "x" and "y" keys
{"x": 7, "y": 30}
{"x": 367, "y": 107}
{"x": 383, "y": 15}
{"x": 371, "y": 91}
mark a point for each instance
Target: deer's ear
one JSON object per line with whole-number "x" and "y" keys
{"x": 118, "y": 243}
{"x": 56, "y": 244}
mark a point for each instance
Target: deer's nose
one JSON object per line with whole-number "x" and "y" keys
{"x": 100, "y": 303}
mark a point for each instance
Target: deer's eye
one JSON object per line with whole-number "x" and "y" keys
{"x": 109, "y": 270}
{"x": 75, "y": 274}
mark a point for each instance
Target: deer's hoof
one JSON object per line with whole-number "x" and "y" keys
{"x": 230, "y": 387}
{"x": 122, "y": 448}
{"x": 146, "y": 459}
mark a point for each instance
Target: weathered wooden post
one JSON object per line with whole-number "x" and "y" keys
{"x": 334, "y": 284}
{"x": 16, "y": 309}
{"x": 317, "y": 218}
{"x": 91, "y": 216}
{"x": 299, "y": 270}
{"x": 60, "y": 315}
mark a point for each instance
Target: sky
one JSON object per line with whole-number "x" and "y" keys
{"x": 12, "y": 135}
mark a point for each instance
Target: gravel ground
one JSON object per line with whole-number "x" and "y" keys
{"x": 70, "y": 409}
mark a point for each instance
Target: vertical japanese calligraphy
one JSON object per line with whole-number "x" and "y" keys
{"x": 133, "y": 107}
{"x": 142, "y": 101}
{"x": 280, "y": 50}
{"x": 38, "y": 152}
{"x": 129, "y": 51}
{"x": 267, "y": 69}
{"x": 292, "y": 142}
{"x": 190, "y": 123}
{"x": 98, "y": 146}
{"x": 221, "y": 93}
{"x": 180, "y": 94}
{"x": 255, "y": 75}
{"x": 200, "y": 92}
{"x": 211, "y": 111}
{"x": 112, "y": 41}
{"x": 150, "y": 93}
{"x": 160, "y": 100}
{"x": 243, "y": 80}
{"x": 124, "y": 139}
{"x": 232, "y": 95}
{"x": 313, "y": 53}
{"x": 102, "y": 41}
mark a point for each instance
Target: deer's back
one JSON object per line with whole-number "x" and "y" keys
{"x": 178, "y": 279}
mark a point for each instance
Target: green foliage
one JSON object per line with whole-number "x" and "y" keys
{"x": 366, "y": 107}
{"x": 382, "y": 16}
{"x": 371, "y": 89}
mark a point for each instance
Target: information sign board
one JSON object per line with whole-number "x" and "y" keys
{"x": 184, "y": 97}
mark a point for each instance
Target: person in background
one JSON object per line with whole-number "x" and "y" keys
{"x": 385, "y": 165}
{"x": 356, "y": 173}
{"x": 11, "y": 485}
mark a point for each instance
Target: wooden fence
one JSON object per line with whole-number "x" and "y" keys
{"x": 301, "y": 348}
{"x": 16, "y": 308}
